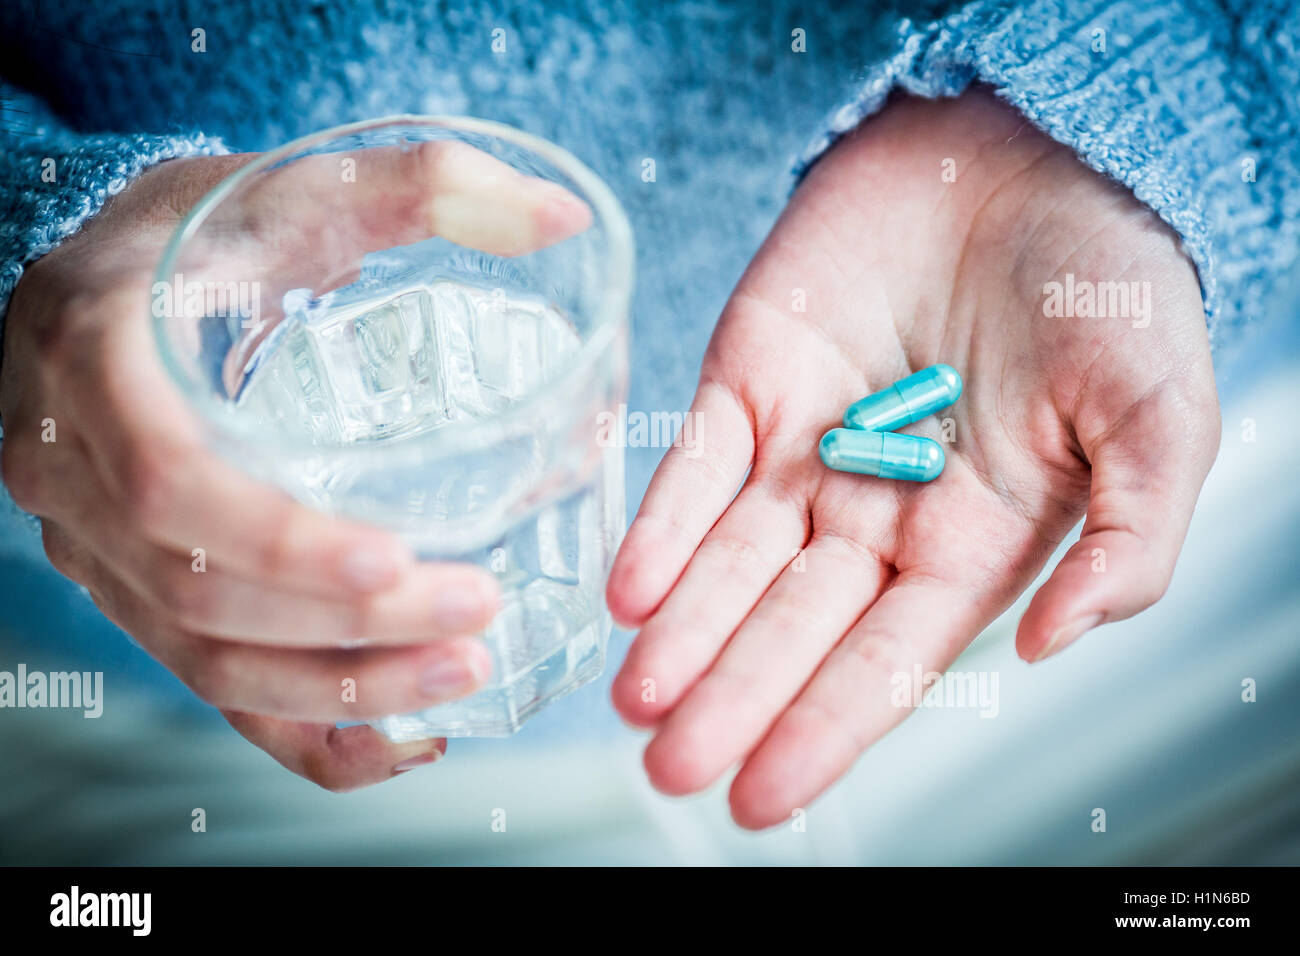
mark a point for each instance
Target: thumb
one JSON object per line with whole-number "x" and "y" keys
{"x": 337, "y": 759}
{"x": 1147, "y": 471}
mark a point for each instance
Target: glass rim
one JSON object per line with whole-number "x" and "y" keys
{"x": 614, "y": 300}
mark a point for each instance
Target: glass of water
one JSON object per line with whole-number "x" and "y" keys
{"x": 418, "y": 322}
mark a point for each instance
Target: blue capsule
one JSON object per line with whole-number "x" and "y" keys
{"x": 907, "y": 400}
{"x": 883, "y": 454}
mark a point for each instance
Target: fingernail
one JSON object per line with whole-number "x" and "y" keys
{"x": 564, "y": 215}
{"x": 449, "y": 677}
{"x": 467, "y": 608}
{"x": 419, "y": 761}
{"x": 372, "y": 566}
{"x": 1067, "y": 635}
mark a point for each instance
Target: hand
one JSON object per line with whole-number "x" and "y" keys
{"x": 272, "y": 627}
{"x": 784, "y": 666}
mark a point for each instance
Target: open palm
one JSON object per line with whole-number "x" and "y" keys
{"x": 774, "y": 618}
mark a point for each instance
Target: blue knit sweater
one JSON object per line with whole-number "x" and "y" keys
{"x": 1193, "y": 104}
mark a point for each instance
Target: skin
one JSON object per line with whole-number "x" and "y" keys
{"x": 783, "y": 668}
{"x": 780, "y": 667}
{"x": 276, "y": 623}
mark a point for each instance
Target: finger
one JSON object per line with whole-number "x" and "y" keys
{"x": 149, "y": 453}
{"x": 430, "y": 601}
{"x": 437, "y": 188}
{"x": 691, "y": 488}
{"x": 293, "y": 684}
{"x": 1147, "y": 471}
{"x": 486, "y": 204}
{"x": 734, "y": 565}
{"x": 338, "y": 759}
{"x": 322, "y": 685}
{"x": 341, "y": 206}
{"x": 852, "y": 700}
{"x": 33, "y": 468}
{"x": 796, "y": 624}
{"x": 310, "y": 223}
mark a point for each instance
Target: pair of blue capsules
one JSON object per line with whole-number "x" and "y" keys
{"x": 867, "y": 445}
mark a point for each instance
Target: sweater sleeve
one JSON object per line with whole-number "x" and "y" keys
{"x": 52, "y": 179}
{"x": 1192, "y": 104}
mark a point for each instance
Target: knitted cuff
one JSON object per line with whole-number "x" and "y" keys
{"x": 52, "y": 180}
{"x": 50, "y": 185}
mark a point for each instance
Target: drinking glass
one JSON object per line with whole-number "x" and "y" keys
{"x": 333, "y": 343}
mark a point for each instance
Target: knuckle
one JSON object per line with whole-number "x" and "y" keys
{"x": 737, "y": 554}
{"x": 701, "y": 463}
{"x": 61, "y": 339}
{"x": 1152, "y": 588}
{"x": 206, "y": 670}
{"x": 148, "y": 486}
{"x": 275, "y": 554}
{"x": 21, "y": 474}
{"x": 838, "y": 732}
{"x": 60, "y": 553}
{"x": 185, "y": 596}
{"x": 358, "y": 622}
{"x": 882, "y": 652}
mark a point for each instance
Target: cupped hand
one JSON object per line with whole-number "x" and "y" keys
{"x": 265, "y": 608}
{"x": 773, "y": 618}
